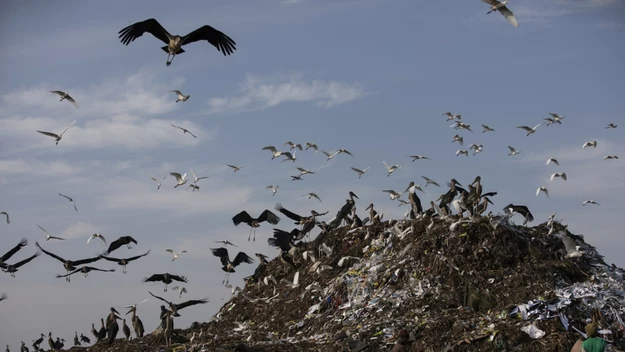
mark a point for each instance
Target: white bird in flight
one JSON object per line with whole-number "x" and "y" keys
{"x": 487, "y": 129}
{"x": 390, "y": 168}
{"x": 70, "y": 200}
{"x": 393, "y": 194}
{"x": 462, "y": 151}
{"x": 48, "y": 237}
{"x": 159, "y": 183}
{"x": 590, "y": 144}
{"x": 529, "y": 130}
{"x": 458, "y": 139}
{"x": 7, "y": 216}
{"x": 562, "y": 175}
{"x": 572, "y": 249}
{"x": 180, "y": 179}
{"x": 274, "y": 189}
{"x": 181, "y": 97}
{"x": 429, "y": 181}
{"x": 451, "y": 116}
{"x": 303, "y": 171}
{"x": 330, "y": 155}
{"x": 293, "y": 146}
{"x": 418, "y": 157}
{"x": 180, "y": 290}
{"x": 513, "y": 151}
{"x": 590, "y": 202}
{"x": 184, "y": 130}
{"x": 359, "y": 171}
{"x": 289, "y": 156}
{"x": 552, "y": 160}
{"x": 311, "y": 145}
{"x": 497, "y": 6}
{"x": 312, "y": 195}
{"x": 176, "y": 255}
{"x": 65, "y": 96}
{"x": 544, "y": 190}
{"x": 226, "y": 243}
{"x": 236, "y": 168}
{"x": 57, "y": 137}
{"x": 195, "y": 178}
{"x": 275, "y": 153}
{"x": 98, "y": 236}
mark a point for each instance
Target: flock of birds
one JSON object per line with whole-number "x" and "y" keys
{"x": 472, "y": 201}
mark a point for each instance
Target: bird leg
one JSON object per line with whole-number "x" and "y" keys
{"x": 128, "y": 246}
{"x": 250, "y": 236}
{"x": 124, "y": 269}
{"x": 165, "y": 290}
{"x": 170, "y": 60}
{"x": 224, "y": 280}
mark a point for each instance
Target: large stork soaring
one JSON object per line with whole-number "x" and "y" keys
{"x": 174, "y": 43}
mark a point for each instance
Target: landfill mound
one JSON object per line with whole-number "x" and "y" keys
{"x": 429, "y": 285}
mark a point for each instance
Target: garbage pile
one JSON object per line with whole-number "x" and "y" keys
{"x": 448, "y": 284}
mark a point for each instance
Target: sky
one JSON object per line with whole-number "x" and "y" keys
{"x": 370, "y": 76}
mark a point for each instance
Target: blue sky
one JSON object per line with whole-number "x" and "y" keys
{"x": 370, "y": 76}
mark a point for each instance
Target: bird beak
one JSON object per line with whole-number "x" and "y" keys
{"x": 130, "y": 311}
{"x": 355, "y": 196}
{"x": 113, "y": 309}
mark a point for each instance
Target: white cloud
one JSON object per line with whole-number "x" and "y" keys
{"x": 112, "y": 114}
{"x": 261, "y": 93}
{"x": 53, "y": 168}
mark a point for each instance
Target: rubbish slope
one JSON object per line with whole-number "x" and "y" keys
{"x": 435, "y": 285}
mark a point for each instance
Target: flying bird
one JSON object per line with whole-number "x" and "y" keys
{"x": 181, "y": 97}
{"x": 98, "y": 236}
{"x": 312, "y": 145}
{"x": 451, "y": 116}
{"x": 227, "y": 243}
{"x": 521, "y": 209}
{"x": 312, "y": 195}
{"x": 552, "y": 160}
{"x": 195, "y": 178}
{"x": 330, "y": 155}
{"x": 124, "y": 261}
{"x": 48, "y": 237}
{"x": 184, "y": 130}
{"x": 590, "y": 144}
{"x": 562, "y": 175}
{"x": 303, "y": 171}
{"x": 159, "y": 183}
{"x": 228, "y": 266}
{"x": 236, "y": 168}
{"x": 390, "y": 168}
{"x": 70, "y": 200}
{"x": 429, "y": 181}
{"x": 345, "y": 151}
{"x": 500, "y": 6}
{"x": 165, "y": 278}
{"x": 123, "y": 240}
{"x": 462, "y": 151}
{"x": 57, "y": 137}
{"x": 293, "y": 146}
{"x": 529, "y": 130}
{"x": 174, "y": 43}
{"x": 7, "y": 216}
{"x": 176, "y": 255}
{"x": 13, "y": 268}
{"x": 253, "y": 223}
{"x": 273, "y": 188}
{"x": 590, "y": 202}
{"x": 180, "y": 179}
{"x": 85, "y": 270}
{"x": 458, "y": 139}
{"x": 176, "y": 307}
{"x": 65, "y": 96}
{"x": 513, "y": 151}
{"x": 275, "y": 153}
{"x": 393, "y": 194}
{"x": 69, "y": 265}
{"x": 544, "y": 190}
{"x": 418, "y": 157}
{"x": 572, "y": 249}
{"x": 611, "y": 125}
{"x": 487, "y": 129}
{"x": 180, "y": 289}
{"x": 359, "y": 171}
{"x": 610, "y": 157}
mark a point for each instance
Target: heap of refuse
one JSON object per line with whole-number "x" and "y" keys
{"x": 428, "y": 285}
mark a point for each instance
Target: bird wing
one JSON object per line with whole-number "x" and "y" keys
{"x": 20, "y": 263}
{"x": 190, "y": 303}
{"x": 189, "y": 132}
{"x": 66, "y": 128}
{"x": 347, "y": 152}
{"x": 178, "y": 278}
{"x": 71, "y": 100}
{"x": 90, "y": 238}
{"x": 50, "y": 254}
{"x": 177, "y": 92}
{"x": 170, "y": 251}
{"x": 193, "y": 173}
{"x": 57, "y": 92}
{"x": 7, "y": 215}
{"x": 289, "y": 214}
{"x": 14, "y": 250}
{"x": 64, "y": 196}
{"x": 157, "y": 297}
{"x": 512, "y": 150}
{"x": 155, "y": 277}
{"x": 538, "y": 191}
{"x": 508, "y": 15}
{"x": 134, "y": 31}
{"x": 569, "y": 243}
{"x": 176, "y": 175}
{"x": 357, "y": 170}
{"x": 86, "y": 260}
{"x": 112, "y": 260}
{"x": 49, "y": 134}
{"x": 271, "y": 148}
{"x": 281, "y": 239}
{"x": 222, "y": 253}
{"x": 268, "y": 216}
{"x": 218, "y": 39}
{"x": 524, "y": 128}
{"x": 137, "y": 256}
{"x": 241, "y": 258}
{"x": 241, "y": 217}
{"x": 177, "y": 127}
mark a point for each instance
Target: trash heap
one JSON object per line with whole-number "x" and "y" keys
{"x": 430, "y": 285}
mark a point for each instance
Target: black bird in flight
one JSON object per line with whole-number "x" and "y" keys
{"x": 176, "y": 307}
{"x": 228, "y": 266}
{"x": 124, "y": 240}
{"x": 174, "y": 43}
{"x": 165, "y": 278}
{"x": 266, "y": 215}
